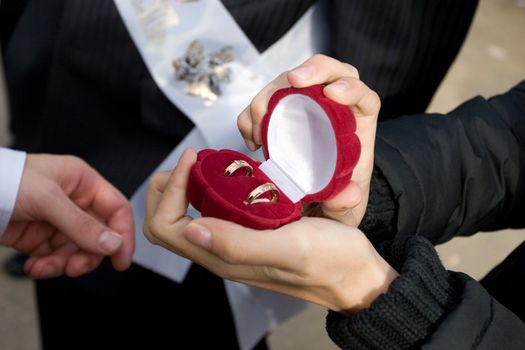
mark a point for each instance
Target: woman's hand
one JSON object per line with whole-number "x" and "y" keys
{"x": 318, "y": 260}
{"x": 342, "y": 86}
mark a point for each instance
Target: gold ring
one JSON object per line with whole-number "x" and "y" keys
{"x": 254, "y": 195}
{"x": 236, "y": 165}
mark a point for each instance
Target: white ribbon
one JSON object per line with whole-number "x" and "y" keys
{"x": 255, "y": 311}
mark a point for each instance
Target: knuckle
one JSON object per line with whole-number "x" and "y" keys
{"x": 376, "y": 99}
{"x": 359, "y": 84}
{"x": 230, "y": 254}
{"x": 302, "y": 246}
{"x": 148, "y": 233}
{"x": 73, "y": 162}
{"x": 155, "y": 179}
{"x": 240, "y": 122}
{"x": 86, "y": 222}
{"x": 282, "y": 77}
{"x": 244, "y": 124}
{"x": 353, "y": 71}
{"x": 256, "y": 110}
{"x": 155, "y": 228}
{"x": 319, "y": 56}
{"x": 156, "y": 182}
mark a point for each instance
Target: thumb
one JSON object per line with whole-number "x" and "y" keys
{"x": 239, "y": 245}
{"x": 347, "y": 199}
{"x": 83, "y": 229}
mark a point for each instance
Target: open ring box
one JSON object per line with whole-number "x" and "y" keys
{"x": 310, "y": 147}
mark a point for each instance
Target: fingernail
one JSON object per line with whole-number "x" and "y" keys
{"x": 256, "y": 133}
{"x": 198, "y": 235}
{"x": 109, "y": 241}
{"x": 304, "y": 72}
{"x": 340, "y": 86}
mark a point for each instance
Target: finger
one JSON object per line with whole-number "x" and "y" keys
{"x": 57, "y": 240}
{"x": 122, "y": 222}
{"x": 245, "y": 125}
{"x": 340, "y": 206}
{"x": 83, "y": 229}
{"x": 30, "y": 262}
{"x": 353, "y": 92}
{"x": 156, "y": 188}
{"x": 112, "y": 208}
{"x": 82, "y": 263}
{"x": 259, "y": 105}
{"x": 249, "y": 121}
{"x": 31, "y": 235}
{"x": 78, "y": 263}
{"x": 43, "y": 249}
{"x": 348, "y": 198}
{"x": 320, "y": 69}
{"x": 174, "y": 202}
{"x": 239, "y": 245}
{"x": 52, "y": 265}
{"x": 88, "y": 190}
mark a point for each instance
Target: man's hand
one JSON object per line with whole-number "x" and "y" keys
{"x": 67, "y": 218}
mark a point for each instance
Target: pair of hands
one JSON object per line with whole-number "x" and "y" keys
{"x": 328, "y": 262}
{"x": 67, "y": 218}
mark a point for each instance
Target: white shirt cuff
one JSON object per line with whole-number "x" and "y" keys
{"x": 11, "y": 170}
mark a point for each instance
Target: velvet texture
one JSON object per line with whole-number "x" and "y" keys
{"x": 216, "y": 195}
{"x": 344, "y": 125}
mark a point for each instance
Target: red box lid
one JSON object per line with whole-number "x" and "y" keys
{"x": 310, "y": 147}
{"x": 310, "y": 144}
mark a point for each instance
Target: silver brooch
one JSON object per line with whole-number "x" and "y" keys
{"x": 204, "y": 73}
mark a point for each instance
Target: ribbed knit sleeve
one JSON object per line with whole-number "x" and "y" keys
{"x": 411, "y": 309}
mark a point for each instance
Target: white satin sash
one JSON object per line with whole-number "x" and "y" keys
{"x": 162, "y": 31}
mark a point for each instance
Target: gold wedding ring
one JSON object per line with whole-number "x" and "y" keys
{"x": 236, "y": 165}
{"x": 254, "y": 195}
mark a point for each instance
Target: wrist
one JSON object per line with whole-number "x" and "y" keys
{"x": 374, "y": 280}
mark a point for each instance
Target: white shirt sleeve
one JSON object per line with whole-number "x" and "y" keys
{"x": 11, "y": 170}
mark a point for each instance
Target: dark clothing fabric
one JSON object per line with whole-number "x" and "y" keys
{"x": 506, "y": 282}
{"x": 415, "y": 301}
{"x": 398, "y": 45}
{"x": 381, "y": 212}
{"x": 457, "y": 173}
{"x": 77, "y": 85}
{"x": 427, "y": 307}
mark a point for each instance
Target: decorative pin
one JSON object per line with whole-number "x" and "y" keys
{"x": 204, "y": 73}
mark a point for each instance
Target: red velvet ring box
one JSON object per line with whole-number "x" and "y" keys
{"x": 310, "y": 147}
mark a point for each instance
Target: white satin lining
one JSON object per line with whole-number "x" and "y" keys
{"x": 301, "y": 146}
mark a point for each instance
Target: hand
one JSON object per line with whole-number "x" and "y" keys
{"x": 67, "y": 218}
{"x": 342, "y": 86}
{"x": 318, "y": 260}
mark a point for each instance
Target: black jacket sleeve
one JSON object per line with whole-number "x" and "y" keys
{"x": 458, "y": 173}
{"x": 427, "y": 307}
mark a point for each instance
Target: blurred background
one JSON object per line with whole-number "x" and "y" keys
{"x": 491, "y": 61}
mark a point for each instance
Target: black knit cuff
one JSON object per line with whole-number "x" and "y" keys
{"x": 379, "y": 222}
{"x": 415, "y": 303}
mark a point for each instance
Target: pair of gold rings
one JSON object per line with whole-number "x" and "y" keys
{"x": 255, "y": 195}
